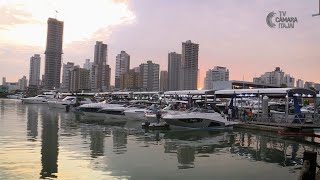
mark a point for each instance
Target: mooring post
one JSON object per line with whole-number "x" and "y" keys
{"x": 308, "y": 171}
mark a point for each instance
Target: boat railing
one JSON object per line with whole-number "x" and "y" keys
{"x": 282, "y": 118}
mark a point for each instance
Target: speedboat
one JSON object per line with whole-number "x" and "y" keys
{"x": 121, "y": 112}
{"x": 69, "y": 100}
{"x": 39, "y": 99}
{"x": 92, "y": 110}
{"x": 61, "y": 104}
{"x": 198, "y": 118}
{"x": 15, "y": 96}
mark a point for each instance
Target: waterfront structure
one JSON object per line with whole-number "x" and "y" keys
{"x": 67, "y": 68}
{"x": 106, "y": 77}
{"x": 308, "y": 85}
{"x": 299, "y": 83}
{"x": 317, "y": 86}
{"x": 174, "y": 71}
{"x": 100, "y": 69}
{"x": 288, "y": 80}
{"x": 122, "y": 66}
{"x": 218, "y": 73}
{"x": 53, "y": 54}
{"x": 23, "y": 83}
{"x": 164, "y": 81}
{"x": 149, "y": 74}
{"x": 189, "y": 63}
{"x": 87, "y": 65}
{"x": 4, "y": 82}
{"x": 34, "y": 72}
{"x": 130, "y": 80}
{"x": 276, "y": 77}
{"x": 79, "y": 79}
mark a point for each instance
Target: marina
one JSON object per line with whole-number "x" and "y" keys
{"x": 187, "y": 136}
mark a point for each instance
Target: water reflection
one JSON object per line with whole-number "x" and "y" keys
{"x": 186, "y": 156}
{"x": 97, "y": 143}
{"x": 2, "y": 107}
{"x": 32, "y": 123}
{"x": 119, "y": 137}
{"x": 50, "y": 145}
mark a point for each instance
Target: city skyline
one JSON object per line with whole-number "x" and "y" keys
{"x": 240, "y": 41}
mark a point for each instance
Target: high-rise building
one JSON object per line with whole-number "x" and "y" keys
{"x": 149, "y": 74}
{"x": 34, "y": 73}
{"x": 66, "y": 75}
{"x": 87, "y": 65}
{"x": 288, "y": 80}
{"x": 106, "y": 77}
{"x": 53, "y": 53}
{"x": 23, "y": 83}
{"x": 4, "y": 82}
{"x": 100, "y": 63}
{"x": 130, "y": 80}
{"x": 79, "y": 79}
{"x": 308, "y": 85}
{"x": 218, "y": 73}
{"x": 299, "y": 83}
{"x": 164, "y": 81}
{"x": 189, "y": 63}
{"x": 174, "y": 71}
{"x": 122, "y": 66}
{"x": 275, "y": 78}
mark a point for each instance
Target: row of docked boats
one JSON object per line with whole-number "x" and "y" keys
{"x": 173, "y": 113}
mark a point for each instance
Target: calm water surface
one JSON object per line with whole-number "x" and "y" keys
{"x": 37, "y": 142}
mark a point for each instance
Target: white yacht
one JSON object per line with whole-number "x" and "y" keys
{"x": 119, "y": 112}
{"x": 15, "y": 96}
{"x": 92, "y": 110}
{"x": 40, "y": 99}
{"x": 198, "y": 118}
{"x": 61, "y": 104}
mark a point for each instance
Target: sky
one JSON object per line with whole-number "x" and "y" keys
{"x": 230, "y": 33}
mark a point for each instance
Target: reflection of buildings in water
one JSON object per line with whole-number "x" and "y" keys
{"x": 186, "y": 154}
{"x": 32, "y": 122}
{"x": 97, "y": 143}
{"x": 2, "y": 107}
{"x": 119, "y": 137}
{"x": 170, "y": 147}
{"x": 49, "y": 147}
{"x": 21, "y": 109}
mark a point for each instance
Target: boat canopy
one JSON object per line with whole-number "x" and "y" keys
{"x": 190, "y": 92}
{"x": 146, "y": 93}
{"x": 273, "y": 92}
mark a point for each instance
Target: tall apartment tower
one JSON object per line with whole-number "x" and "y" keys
{"x": 149, "y": 75}
{"x": 122, "y": 66}
{"x": 164, "y": 81}
{"x": 218, "y": 73}
{"x": 53, "y": 54}
{"x": 4, "y": 82}
{"x": 87, "y": 64}
{"x": 34, "y": 73}
{"x": 189, "y": 63}
{"x": 174, "y": 71}
{"x": 100, "y": 62}
{"x": 66, "y": 75}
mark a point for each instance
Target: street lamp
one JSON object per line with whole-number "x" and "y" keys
{"x": 319, "y": 11}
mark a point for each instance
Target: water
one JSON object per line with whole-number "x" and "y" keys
{"x": 37, "y": 142}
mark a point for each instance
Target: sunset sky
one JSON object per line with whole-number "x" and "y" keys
{"x": 230, "y": 33}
